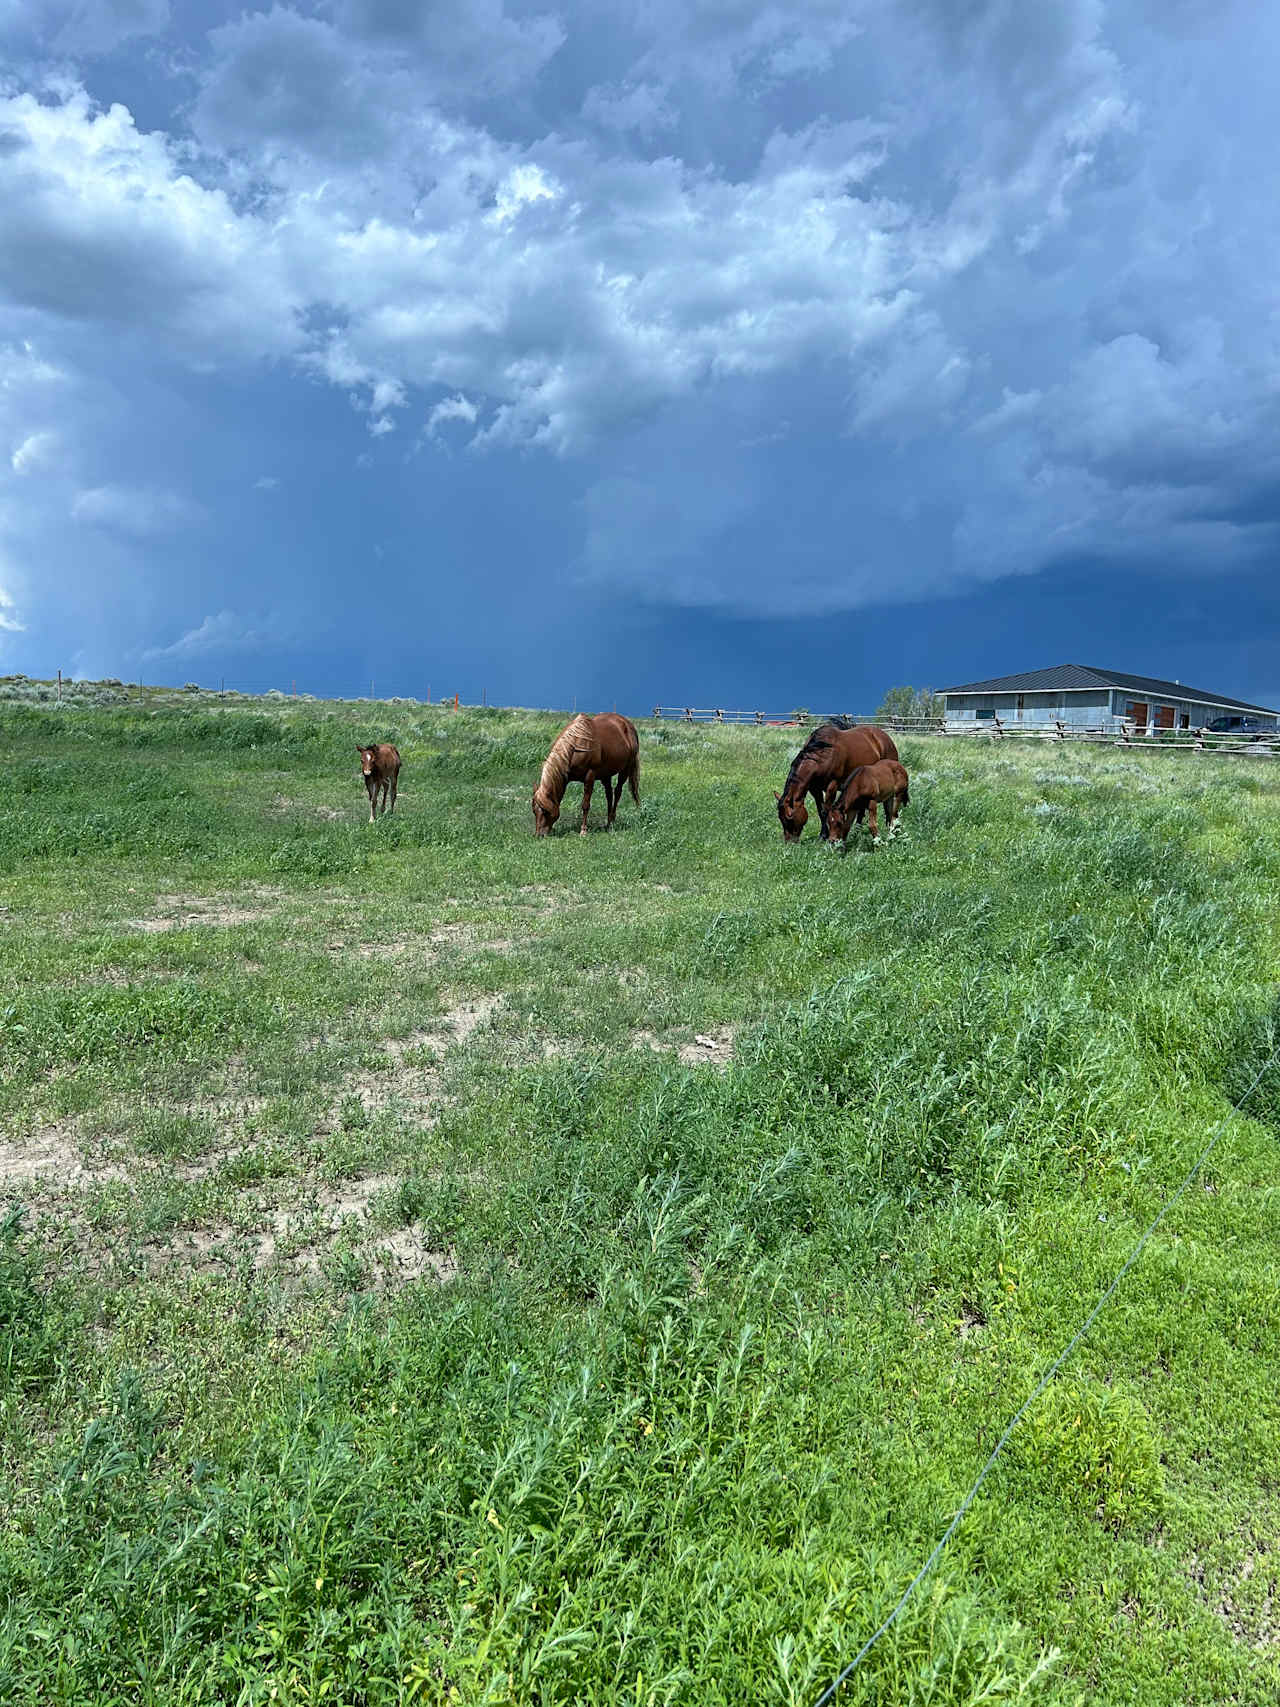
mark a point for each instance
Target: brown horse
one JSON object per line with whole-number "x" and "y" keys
{"x": 380, "y": 766}
{"x": 587, "y": 750}
{"x": 821, "y": 765}
{"x": 884, "y": 783}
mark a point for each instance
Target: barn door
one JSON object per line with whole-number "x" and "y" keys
{"x": 1164, "y": 717}
{"x": 1137, "y": 713}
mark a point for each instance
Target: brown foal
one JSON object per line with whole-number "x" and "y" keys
{"x": 883, "y": 784}
{"x": 380, "y": 765}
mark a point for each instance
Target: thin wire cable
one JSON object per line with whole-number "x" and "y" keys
{"x": 1223, "y": 1123}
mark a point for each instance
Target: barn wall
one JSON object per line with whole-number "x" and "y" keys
{"x": 1196, "y": 712}
{"x": 1092, "y": 706}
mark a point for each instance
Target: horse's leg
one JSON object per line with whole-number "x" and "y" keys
{"x": 372, "y": 789}
{"x": 871, "y": 815}
{"x": 613, "y": 794}
{"x": 820, "y": 801}
{"x": 395, "y": 783}
{"x": 588, "y": 783}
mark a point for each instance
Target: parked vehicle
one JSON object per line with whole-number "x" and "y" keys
{"x": 1240, "y": 723}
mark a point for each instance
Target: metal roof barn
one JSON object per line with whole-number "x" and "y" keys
{"x": 1082, "y": 695}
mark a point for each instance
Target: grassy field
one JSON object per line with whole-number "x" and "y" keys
{"x": 438, "y": 1265}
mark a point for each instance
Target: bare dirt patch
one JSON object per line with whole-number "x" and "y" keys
{"x": 48, "y": 1153}
{"x": 413, "y": 1079}
{"x": 544, "y": 901}
{"x": 972, "y": 1319}
{"x": 450, "y": 1029}
{"x": 428, "y": 946}
{"x": 283, "y": 804}
{"x": 297, "y": 1243}
{"x": 1250, "y": 1607}
{"x": 388, "y": 948}
{"x": 183, "y": 912}
{"x": 708, "y": 1049}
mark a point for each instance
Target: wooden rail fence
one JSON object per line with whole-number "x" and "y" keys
{"x": 1117, "y": 732}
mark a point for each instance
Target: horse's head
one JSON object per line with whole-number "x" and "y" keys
{"x": 839, "y": 817}
{"x": 367, "y": 757}
{"x": 844, "y": 809}
{"x": 545, "y": 812}
{"x": 792, "y": 814}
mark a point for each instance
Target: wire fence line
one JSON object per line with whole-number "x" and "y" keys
{"x": 1217, "y": 1132}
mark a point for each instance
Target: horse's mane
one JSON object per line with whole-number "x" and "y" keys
{"x": 817, "y": 743}
{"x": 573, "y": 739}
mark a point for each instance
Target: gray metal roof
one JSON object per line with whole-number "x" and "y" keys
{"x": 1078, "y": 678}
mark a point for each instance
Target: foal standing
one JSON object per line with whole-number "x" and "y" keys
{"x": 882, "y": 784}
{"x": 380, "y": 765}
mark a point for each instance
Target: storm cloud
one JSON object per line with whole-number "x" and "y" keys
{"x": 738, "y": 307}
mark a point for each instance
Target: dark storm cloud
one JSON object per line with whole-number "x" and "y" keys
{"x": 850, "y": 303}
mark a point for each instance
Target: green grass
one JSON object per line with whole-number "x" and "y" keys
{"x": 399, "y": 1303}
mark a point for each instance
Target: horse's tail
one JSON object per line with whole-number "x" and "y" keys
{"x": 633, "y": 777}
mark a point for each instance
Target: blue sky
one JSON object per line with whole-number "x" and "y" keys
{"x": 754, "y": 354}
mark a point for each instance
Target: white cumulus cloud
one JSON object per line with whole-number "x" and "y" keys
{"x": 37, "y": 451}
{"x": 9, "y": 614}
{"x": 224, "y": 631}
{"x": 140, "y": 511}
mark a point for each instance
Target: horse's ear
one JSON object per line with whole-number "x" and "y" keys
{"x": 360, "y": 750}
{"x": 776, "y": 795}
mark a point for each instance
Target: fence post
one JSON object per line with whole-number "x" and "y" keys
{"x": 998, "y": 721}
{"x": 688, "y": 714}
{"x": 1062, "y": 734}
{"x": 1200, "y": 740}
{"x": 719, "y": 716}
{"x": 759, "y": 717}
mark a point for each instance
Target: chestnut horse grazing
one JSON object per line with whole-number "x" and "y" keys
{"x": 588, "y": 750}
{"x": 821, "y": 765}
{"x": 884, "y": 783}
{"x": 381, "y": 767}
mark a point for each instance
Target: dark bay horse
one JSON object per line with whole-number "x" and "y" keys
{"x": 588, "y": 750}
{"x": 884, "y": 783}
{"x": 380, "y": 766}
{"x": 821, "y": 765}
